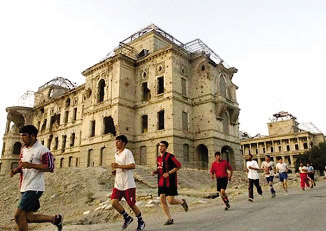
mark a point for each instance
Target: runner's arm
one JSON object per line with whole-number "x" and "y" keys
{"x": 125, "y": 167}
{"x": 40, "y": 167}
{"x": 230, "y": 174}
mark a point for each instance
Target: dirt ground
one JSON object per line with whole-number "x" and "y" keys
{"x": 82, "y": 195}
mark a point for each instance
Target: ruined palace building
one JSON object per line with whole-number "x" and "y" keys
{"x": 151, "y": 87}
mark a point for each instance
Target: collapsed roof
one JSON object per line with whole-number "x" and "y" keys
{"x": 194, "y": 46}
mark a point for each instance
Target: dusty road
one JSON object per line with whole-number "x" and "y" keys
{"x": 301, "y": 210}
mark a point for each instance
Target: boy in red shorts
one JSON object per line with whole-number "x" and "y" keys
{"x": 222, "y": 170}
{"x": 124, "y": 185}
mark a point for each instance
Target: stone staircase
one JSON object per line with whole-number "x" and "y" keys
{"x": 143, "y": 174}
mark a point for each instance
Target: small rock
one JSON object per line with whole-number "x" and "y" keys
{"x": 86, "y": 212}
{"x": 149, "y": 206}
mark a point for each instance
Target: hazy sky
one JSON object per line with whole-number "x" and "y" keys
{"x": 279, "y": 47}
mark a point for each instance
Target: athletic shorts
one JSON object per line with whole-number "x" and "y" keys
{"x": 30, "y": 201}
{"x": 283, "y": 176}
{"x": 311, "y": 175}
{"x": 128, "y": 194}
{"x": 221, "y": 183}
{"x": 168, "y": 191}
{"x": 270, "y": 179}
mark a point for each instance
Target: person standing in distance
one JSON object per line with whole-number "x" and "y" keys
{"x": 252, "y": 167}
{"x": 222, "y": 171}
{"x": 35, "y": 160}
{"x": 124, "y": 184}
{"x": 167, "y": 167}
{"x": 311, "y": 174}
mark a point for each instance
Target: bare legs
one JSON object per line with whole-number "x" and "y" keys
{"x": 22, "y": 219}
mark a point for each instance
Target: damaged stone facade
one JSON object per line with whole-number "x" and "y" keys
{"x": 151, "y": 88}
{"x": 285, "y": 140}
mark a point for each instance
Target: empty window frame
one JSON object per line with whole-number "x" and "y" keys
{"x": 144, "y": 123}
{"x": 56, "y": 142}
{"x": 64, "y": 140}
{"x": 101, "y": 90}
{"x": 74, "y": 118}
{"x": 92, "y": 128}
{"x": 72, "y": 140}
{"x": 66, "y": 117}
{"x": 109, "y": 125}
{"x": 296, "y": 146}
{"x": 184, "y": 86}
{"x": 185, "y": 125}
{"x": 160, "y": 116}
{"x": 160, "y": 85}
{"x": 146, "y": 92}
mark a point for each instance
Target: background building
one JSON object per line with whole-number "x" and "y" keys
{"x": 287, "y": 139}
{"x": 151, "y": 87}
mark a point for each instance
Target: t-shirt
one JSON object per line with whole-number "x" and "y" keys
{"x": 268, "y": 168}
{"x": 33, "y": 179}
{"x": 220, "y": 168}
{"x": 303, "y": 168}
{"x": 124, "y": 179}
{"x": 252, "y": 174}
{"x": 281, "y": 167}
{"x": 165, "y": 163}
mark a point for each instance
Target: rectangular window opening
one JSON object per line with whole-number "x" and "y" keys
{"x": 160, "y": 115}
{"x": 92, "y": 132}
{"x": 160, "y": 85}
{"x": 144, "y": 123}
{"x": 146, "y": 92}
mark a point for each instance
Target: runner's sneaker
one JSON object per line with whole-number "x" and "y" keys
{"x": 128, "y": 220}
{"x": 141, "y": 226}
{"x": 169, "y": 222}
{"x": 227, "y": 205}
{"x": 185, "y": 205}
{"x": 58, "y": 221}
{"x": 251, "y": 200}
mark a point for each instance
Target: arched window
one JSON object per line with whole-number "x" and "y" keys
{"x": 101, "y": 90}
{"x": 90, "y": 161}
{"x": 17, "y": 147}
{"x": 222, "y": 86}
{"x": 67, "y": 103}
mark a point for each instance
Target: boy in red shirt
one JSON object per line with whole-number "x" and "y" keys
{"x": 167, "y": 167}
{"x": 223, "y": 172}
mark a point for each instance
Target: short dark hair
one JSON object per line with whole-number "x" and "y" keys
{"x": 250, "y": 155}
{"x": 268, "y": 156}
{"x": 217, "y": 153}
{"x": 279, "y": 158}
{"x": 123, "y": 139}
{"x": 29, "y": 129}
{"x": 165, "y": 143}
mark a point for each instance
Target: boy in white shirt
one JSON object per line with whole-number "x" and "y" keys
{"x": 124, "y": 185}
{"x": 252, "y": 167}
{"x": 269, "y": 169}
{"x": 35, "y": 160}
{"x": 282, "y": 168}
